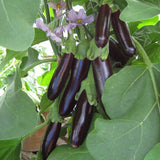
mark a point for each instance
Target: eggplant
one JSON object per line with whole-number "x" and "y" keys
{"x": 79, "y": 72}
{"x": 116, "y": 52}
{"x": 50, "y": 139}
{"x": 102, "y": 70}
{"x": 122, "y": 34}
{"x": 102, "y": 26}
{"x": 59, "y": 77}
{"x": 81, "y": 120}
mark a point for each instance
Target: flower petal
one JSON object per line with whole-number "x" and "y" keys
{"x": 41, "y": 25}
{"x": 72, "y": 16}
{"x": 58, "y": 31}
{"x": 81, "y": 14}
{"x": 88, "y": 19}
{"x": 63, "y": 5}
{"x": 52, "y": 5}
{"x": 70, "y": 26}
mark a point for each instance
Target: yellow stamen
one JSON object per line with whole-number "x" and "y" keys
{"x": 58, "y": 6}
{"x": 79, "y": 20}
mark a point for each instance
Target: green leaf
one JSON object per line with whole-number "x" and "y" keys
{"x": 137, "y": 10}
{"x": 81, "y": 49}
{"x": 30, "y": 61}
{"x": 153, "y": 51}
{"x": 70, "y": 153}
{"x": 40, "y": 36}
{"x": 124, "y": 90}
{"x": 151, "y": 21}
{"x": 10, "y": 149}
{"x": 10, "y": 55}
{"x": 154, "y": 154}
{"x": 16, "y": 27}
{"x": 68, "y": 47}
{"x": 45, "y": 103}
{"x": 94, "y": 52}
{"x": 17, "y": 112}
{"x": 89, "y": 85}
{"x": 121, "y": 139}
{"x": 45, "y": 78}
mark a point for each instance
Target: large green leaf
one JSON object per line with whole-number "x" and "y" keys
{"x": 154, "y": 154}
{"x": 10, "y": 149}
{"x": 121, "y": 139}
{"x": 138, "y": 10}
{"x": 66, "y": 152}
{"x": 16, "y": 27}
{"x": 17, "y": 112}
{"x": 131, "y": 88}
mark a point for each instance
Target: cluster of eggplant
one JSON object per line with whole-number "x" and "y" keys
{"x": 121, "y": 49}
{"x": 77, "y": 70}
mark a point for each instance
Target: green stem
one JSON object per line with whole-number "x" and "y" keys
{"x": 23, "y": 72}
{"x": 53, "y": 45}
{"x": 143, "y": 53}
{"x": 150, "y": 68}
{"x": 47, "y": 11}
{"x": 36, "y": 129}
{"x": 87, "y": 31}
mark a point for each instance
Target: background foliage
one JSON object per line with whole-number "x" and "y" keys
{"x": 131, "y": 95}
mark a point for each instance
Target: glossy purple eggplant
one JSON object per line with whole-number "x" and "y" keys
{"x": 116, "y": 52}
{"x": 81, "y": 120}
{"x": 59, "y": 77}
{"x": 79, "y": 72}
{"x": 122, "y": 33}
{"x": 50, "y": 139}
{"x": 101, "y": 71}
{"x": 102, "y": 26}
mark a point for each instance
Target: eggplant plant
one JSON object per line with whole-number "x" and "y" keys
{"x": 99, "y": 85}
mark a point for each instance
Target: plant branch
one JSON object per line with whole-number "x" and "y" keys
{"x": 36, "y": 129}
{"x": 23, "y": 72}
{"x": 47, "y": 11}
{"x": 150, "y": 68}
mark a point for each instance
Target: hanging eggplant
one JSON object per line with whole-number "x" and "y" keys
{"x": 50, "y": 139}
{"x": 79, "y": 72}
{"x": 59, "y": 77}
{"x": 116, "y": 52}
{"x": 102, "y": 26}
{"x": 122, "y": 33}
{"x": 81, "y": 120}
{"x": 101, "y": 71}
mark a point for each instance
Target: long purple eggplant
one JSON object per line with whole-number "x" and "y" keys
{"x": 50, "y": 139}
{"x": 122, "y": 33}
{"x": 79, "y": 72}
{"x": 116, "y": 52}
{"x": 101, "y": 71}
{"x": 102, "y": 26}
{"x": 59, "y": 77}
{"x": 81, "y": 120}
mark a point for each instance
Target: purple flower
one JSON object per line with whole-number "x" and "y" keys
{"x": 69, "y": 27}
{"x": 59, "y": 31}
{"x": 58, "y": 7}
{"x": 79, "y": 18}
{"x": 41, "y": 25}
{"x": 54, "y": 35}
